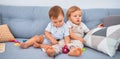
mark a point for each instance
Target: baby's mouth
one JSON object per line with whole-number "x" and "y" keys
{"x": 78, "y": 21}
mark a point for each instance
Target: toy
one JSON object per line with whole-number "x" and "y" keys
{"x": 2, "y": 47}
{"x": 14, "y": 41}
{"x": 83, "y": 49}
{"x": 16, "y": 44}
{"x": 65, "y": 49}
{"x": 24, "y": 40}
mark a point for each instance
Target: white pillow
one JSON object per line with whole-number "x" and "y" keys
{"x": 104, "y": 39}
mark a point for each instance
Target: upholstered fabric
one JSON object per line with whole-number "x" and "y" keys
{"x": 36, "y": 53}
{"x": 0, "y": 20}
{"x": 5, "y": 34}
{"x": 119, "y": 47}
{"x": 91, "y": 17}
{"x": 104, "y": 39}
{"x": 25, "y": 22}
{"x": 111, "y": 20}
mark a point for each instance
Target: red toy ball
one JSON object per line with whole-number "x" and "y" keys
{"x": 65, "y": 49}
{"x": 14, "y": 41}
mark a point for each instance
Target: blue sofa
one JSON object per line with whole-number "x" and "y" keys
{"x": 27, "y": 21}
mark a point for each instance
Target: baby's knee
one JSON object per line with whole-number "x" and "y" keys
{"x": 41, "y": 38}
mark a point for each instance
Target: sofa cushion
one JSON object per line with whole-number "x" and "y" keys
{"x": 5, "y": 34}
{"x": 0, "y": 20}
{"x": 112, "y": 12}
{"x": 111, "y": 20}
{"x": 104, "y": 39}
{"x": 119, "y": 47}
{"x": 92, "y": 17}
{"x": 25, "y": 28}
{"x": 25, "y": 21}
{"x": 89, "y": 54}
{"x": 15, "y": 52}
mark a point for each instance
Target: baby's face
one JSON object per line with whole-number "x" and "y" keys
{"x": 59, "y": 21}
{"x": 75, "y": 17}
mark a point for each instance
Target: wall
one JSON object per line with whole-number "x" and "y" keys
{"x": 84, "y": 4}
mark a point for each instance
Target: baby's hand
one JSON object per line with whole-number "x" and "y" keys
{"x": 54, "y": 42}
{"x": 100, "y": 25}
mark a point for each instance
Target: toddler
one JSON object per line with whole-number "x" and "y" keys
{"x": 76, "y": 27}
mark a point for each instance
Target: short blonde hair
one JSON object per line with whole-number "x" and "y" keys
{"x": 55, "y": 11}
{"x": 71, "y": 10}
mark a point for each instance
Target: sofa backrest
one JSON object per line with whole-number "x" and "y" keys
{"x": 27, "y": 21}
{"x": 93, "y": 17}
{"x": 0, "y": 20}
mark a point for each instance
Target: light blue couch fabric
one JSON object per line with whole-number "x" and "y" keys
{"x": 27, "y": 21}
{"x": 0, "y": 20}
{"x": 15, "y": 52}
{"x": 90, "y": 54}
{"x": 0, "y": 17}
{"x": 93, "y": 16}
{"x": 113, "y": 12}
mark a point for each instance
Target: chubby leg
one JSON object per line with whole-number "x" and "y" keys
{"x": 38, "y": 41}
{"x": 48, "y": 49}
{"x": 75, "y": 52}
{"x": 31, "y": 41}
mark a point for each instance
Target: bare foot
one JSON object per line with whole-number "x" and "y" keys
{"x": 24, "y": 45}
{"x": 50, "y": 51}
{"x": 75, "y": 52}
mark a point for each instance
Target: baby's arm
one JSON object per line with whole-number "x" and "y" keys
{"x": 73, "y": 36}
{"x": 67, "y": 40}
{"x": 50, "y": 37}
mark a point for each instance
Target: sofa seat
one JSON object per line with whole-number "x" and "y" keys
{"x": 90, "y": 54}
{"x": 15, "y": 52}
